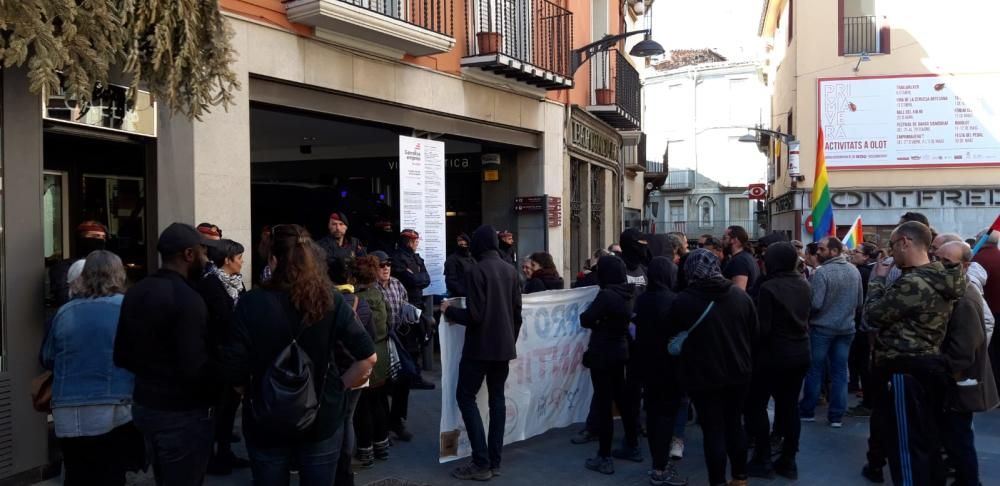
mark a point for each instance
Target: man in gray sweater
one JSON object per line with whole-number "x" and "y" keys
{"x": 837, "y": 295}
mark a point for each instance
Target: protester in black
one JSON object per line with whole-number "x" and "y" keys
{"x": 716, "y": 361}
{"x": 636, "y": 254}
{"x": 408, "y": 267}
{"x": 337, "y": 244}
{"x": 544, "y": 275}
{"x": 298, "y": 300}
{"x": 607, "y": 353}
{"x": 492, "y": 320}
{"x": 221, "y": 287}
{"x": 457, "y": 265}
{"x": 742, "y": 268}
{"x": 659, "y": 370}
{"x": 781, "y": 360}
{"x": 162, "y": 338}
{"x": 91, "y": 236}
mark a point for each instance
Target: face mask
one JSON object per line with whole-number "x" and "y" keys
{"x": 88, "y": 245}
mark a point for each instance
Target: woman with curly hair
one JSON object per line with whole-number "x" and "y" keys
{"x": 297, "y": 303}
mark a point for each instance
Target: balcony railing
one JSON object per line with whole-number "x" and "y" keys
{"x": 861, "y": 35}
{"x": 616, "y": 97}
{"x": 716, "y": 227}
{"x": 417, "y": 27}
{"x": 529, "y": 40}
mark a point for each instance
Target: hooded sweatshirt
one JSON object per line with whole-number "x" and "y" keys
{"x": 912, "y": 314}
{"x": 635, "y": 253}
{"x": 608, "y": 315}
{"x": 837, "y": 297}
{"x": 718, "y": 353}
{"x": 492, "y": 313}
{"x": 455, "y": 268}
{"x": 783, "y": 309}
{"x": 652, "y": 334}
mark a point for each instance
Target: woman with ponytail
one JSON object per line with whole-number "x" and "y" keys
{"x": 297, "y": 302}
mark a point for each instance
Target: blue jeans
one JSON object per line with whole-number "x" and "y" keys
{"x": 180, "y": 442}
{"x": 680, "y": 423}
{"x": 486, "y": 451}
{"x": 829, "y": 351}
{"x": 316, "y": 462}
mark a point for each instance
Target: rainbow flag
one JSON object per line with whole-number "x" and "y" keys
{"x": 822, "y": 208}
{"x": 854, "y": 237}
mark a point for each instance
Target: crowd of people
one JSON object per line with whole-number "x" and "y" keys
{"x": 323, "y": 354}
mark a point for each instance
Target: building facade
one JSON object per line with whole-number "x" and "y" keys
{"x": 327, "y": 89}
{"x": 693, "y": 204}
{"x": 905, "y": 108}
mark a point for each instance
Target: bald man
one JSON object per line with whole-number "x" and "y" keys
{"x": 974, "y": 273}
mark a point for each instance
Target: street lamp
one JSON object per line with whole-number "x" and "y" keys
{"x": 645, "y": 48}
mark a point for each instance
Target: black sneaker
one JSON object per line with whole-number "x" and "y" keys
{"x": 473, "y": 472}
{"x": 873, "y": 474}
{"x": 786, "y": 468}
{"x": 401, "y": 433}
{"x": 583, "y": 437}
{"x": 219, "y": 466}
{"x": 760, "y": 469}
{"x": 667, "y": 477}
{"x": 859, "y": 411}
{"x": 421, "y": 384}
{"x": 603, "y": 465}
{"x": 628, "y": 453}
{"x": 495, "y": 470}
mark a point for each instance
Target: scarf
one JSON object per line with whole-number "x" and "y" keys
{"x": 232, "y": 283}
{"x": 701, "y": 264}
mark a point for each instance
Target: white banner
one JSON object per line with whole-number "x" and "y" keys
{"x": 547, "y": 388}
{"x": 421, "y": 203}
{"x": 910, "y": 121}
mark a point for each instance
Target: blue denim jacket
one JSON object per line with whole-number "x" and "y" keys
{"x": 79, "y": 350}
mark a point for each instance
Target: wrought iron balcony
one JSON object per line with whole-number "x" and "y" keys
{"x": 415, "y": 27}
{"x": 616, "y": 97}
{"x": 861, "y": 35}
{"x": 528, "y": 40}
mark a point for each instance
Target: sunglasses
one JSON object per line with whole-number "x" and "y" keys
{"x": 385, "y": 265}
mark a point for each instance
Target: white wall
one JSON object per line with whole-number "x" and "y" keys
{"x": 702, "y": 111}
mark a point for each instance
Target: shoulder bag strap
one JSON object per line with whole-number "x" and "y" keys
{"x": 702, "y": 318}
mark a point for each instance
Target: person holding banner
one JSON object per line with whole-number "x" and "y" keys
{"x": 607, "y": 354}
{"x": 492, "y": 320}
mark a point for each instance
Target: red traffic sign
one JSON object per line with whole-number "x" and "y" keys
{"x": 757, "y": 191}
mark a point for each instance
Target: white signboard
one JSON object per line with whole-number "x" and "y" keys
{"x": 421, "y": 203}
{"x": 548, "y": 387}
{"x": 910, "y": 121}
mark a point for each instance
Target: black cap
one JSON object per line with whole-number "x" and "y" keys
{"x": 382, "y": 257}
{"x": 179, "y": 237}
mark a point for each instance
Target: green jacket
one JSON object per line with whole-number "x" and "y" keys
{"x": 380, "y": 315}
{"x": 912, "y": 314}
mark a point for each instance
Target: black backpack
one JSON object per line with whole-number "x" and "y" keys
{"x": 287, "y": 402}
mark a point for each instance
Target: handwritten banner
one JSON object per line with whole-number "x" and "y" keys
{"x": 547, "y": 387}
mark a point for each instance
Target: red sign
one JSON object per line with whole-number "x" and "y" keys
{"x": 757, "y": 191}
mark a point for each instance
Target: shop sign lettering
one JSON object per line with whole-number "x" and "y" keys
{"x": 916, "y": 198}
{"x": 592, "y": 141}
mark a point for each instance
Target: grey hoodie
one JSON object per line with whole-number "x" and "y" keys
{"x": 836, "y": 296}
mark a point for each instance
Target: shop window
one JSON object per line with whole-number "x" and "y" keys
{"x": 706, "y": 213}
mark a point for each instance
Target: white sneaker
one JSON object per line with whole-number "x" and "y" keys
{"x": 836, "y": 425}
{"x": 677, "y": 449}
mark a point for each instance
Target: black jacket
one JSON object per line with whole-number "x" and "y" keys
{"x": 455, "y": 268}
{"x": 351, "y": 248}
{"x": 508, "y": 254}
{"x": 652, "y": 332}
{"x": 543, "y": 280}
{"x": 163, "y": 338}
{"x": 783, "y": 304}
{"x": 608, "y": 316}
{"x": 263, "y": 325}
{"x": 220, "y": 308}
{"x": 719, "y": 352}
{"x": 408, "y": 267}
{"x": 492, "y": 313}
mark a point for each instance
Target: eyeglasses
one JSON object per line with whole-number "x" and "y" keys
{"x": 385, "y": 265}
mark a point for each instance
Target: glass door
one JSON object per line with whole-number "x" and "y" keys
{"x": 55, "y": 224}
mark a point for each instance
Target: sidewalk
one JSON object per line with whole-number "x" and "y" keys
{"x": 828, "y": 456}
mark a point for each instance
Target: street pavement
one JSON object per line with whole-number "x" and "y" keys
{"x": 828, "y": 456}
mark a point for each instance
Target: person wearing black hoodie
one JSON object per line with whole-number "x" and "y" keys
{"x": 782, "y": 358}
{"x": 607, "y": 317}
{"x": 492, "y": 320}
{"x": 636, "y": 254}
{"x": 716, "y": 360}
{"x": 544, "y": 275}
{"x": 659, "y": 373}
{"x": 457, "y": 265}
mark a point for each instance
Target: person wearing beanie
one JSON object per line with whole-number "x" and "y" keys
{"x": 337, "y": 244}
{"x": 457, "y": 266}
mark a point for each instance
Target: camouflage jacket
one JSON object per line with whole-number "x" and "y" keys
{"x": 912, "y": 313}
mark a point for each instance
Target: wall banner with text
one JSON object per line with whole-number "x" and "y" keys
{"x": 422, "y": 203}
